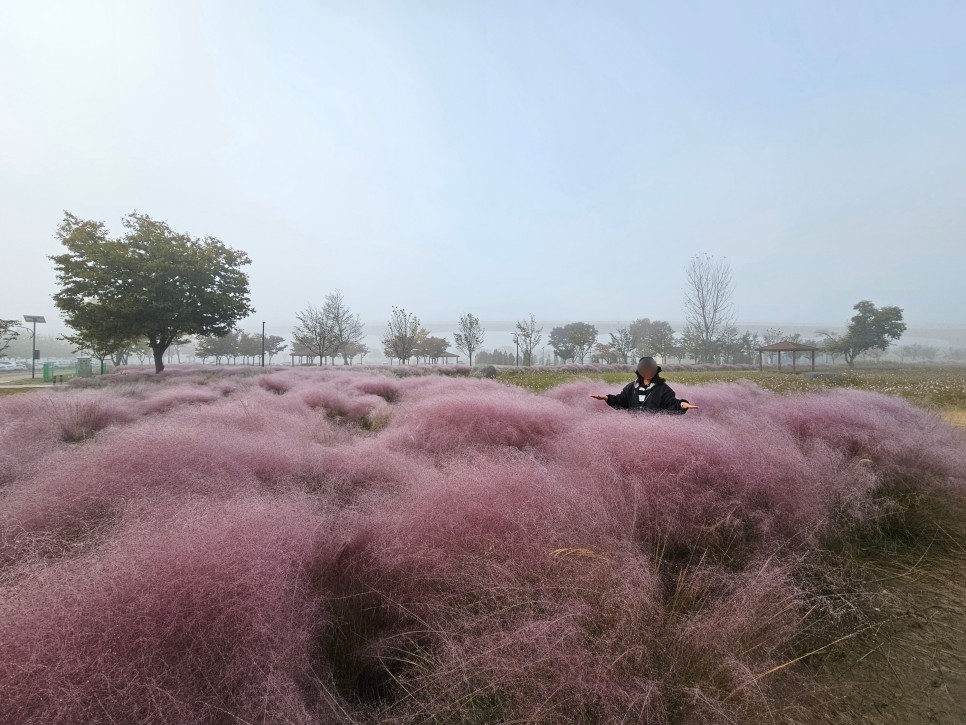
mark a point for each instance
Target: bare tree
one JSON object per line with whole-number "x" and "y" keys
{"x": 403, "y": 334}
{"x": 469, "y": 338}
{"x": 709, "y": 307}
{"x": 346, "y": 327}
{"x": 529, "y": 335}
{"x": 314, "y": 333}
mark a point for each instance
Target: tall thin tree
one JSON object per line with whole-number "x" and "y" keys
{"x": 346, "y": 326}
{"x": 469, "y": 337}
{"x": 709, "y": 308}
{"x": 529, "y": 335}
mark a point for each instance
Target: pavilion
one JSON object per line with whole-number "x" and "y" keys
{"x": 786, "y": 346}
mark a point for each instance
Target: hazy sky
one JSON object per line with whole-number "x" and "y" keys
{"x": 560, "y": 158}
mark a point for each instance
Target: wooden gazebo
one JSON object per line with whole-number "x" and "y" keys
{"x": 786, "y": 346}
{"x": 300, "y": 352}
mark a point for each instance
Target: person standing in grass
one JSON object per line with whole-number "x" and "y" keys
{"x": 649, "y": 393}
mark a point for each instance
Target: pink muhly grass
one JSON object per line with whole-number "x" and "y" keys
{"x": 529, "y": 557}
{"x": 343, "y": 405}
{"x": 453, "y": 422}
{"x": 169, "y": 398}
{"x": 381, "y": 385}
{"x": 328, "y": 545}
{"x": 204, "y": 613}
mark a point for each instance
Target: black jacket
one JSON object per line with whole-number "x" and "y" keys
{"x": 660, "y": 399}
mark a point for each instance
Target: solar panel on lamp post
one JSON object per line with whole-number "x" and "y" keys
{"x": 33, "y": 344}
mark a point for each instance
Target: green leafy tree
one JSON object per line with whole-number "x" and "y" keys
{"x": 153, "y": 283}
{"x": 100, "y": 345}
{"x": 652, "y": 338}
{"x": 605, "y": 352}
{"x": 583, "y": 335}
{"x": 620, "y": 347}
{"x": 218, "y": 346}
{"x": 249, "y": 347}
{"x": 356, "y": 349}
{"x": 174, "y": 350}
{"x": 559, "y": 340}
{"x": 870, "y": 329}
{"x": 469, "y": 337}
{"x": 573, "y": 341}
{"x": 274, "y": 344}
{"x": 497, "y": 357}
{"x": 140, "y": 350}
{"x": 640, "y": 332}
{"x": 693, "y": 344}
{"x": 661, "y": 340}
{"x": 10, "y": 330}
{"x": 431, "y": 348}
{"x": 403, "y": 335}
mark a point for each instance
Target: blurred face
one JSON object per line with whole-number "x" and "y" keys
{"x": 647, "y": 370}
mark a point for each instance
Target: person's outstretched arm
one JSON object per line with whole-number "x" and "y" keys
{"x": 672, "y": 404}
{"x": 621, "y": 400}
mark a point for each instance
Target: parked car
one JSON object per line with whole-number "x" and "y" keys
{"x": 11, "y": 366}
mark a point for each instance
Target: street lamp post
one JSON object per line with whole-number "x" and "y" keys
{"x": 516, "y": 340}
{"x": 33, "y": 344}
{"x": 263, "y": 344}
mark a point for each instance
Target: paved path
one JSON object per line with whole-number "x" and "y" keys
{"x": 20, "y": 386}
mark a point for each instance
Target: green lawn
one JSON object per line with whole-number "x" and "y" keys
{"x": 932, "y": 387}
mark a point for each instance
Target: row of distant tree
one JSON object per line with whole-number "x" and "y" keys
{"x": 154, "y": 288}
{"x": 241, "y": 347}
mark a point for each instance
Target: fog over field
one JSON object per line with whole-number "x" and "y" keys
{"x": 502, "y": 158}
{"x": 331, "y": 415}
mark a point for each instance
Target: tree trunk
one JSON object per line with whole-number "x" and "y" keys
{"x": 158, "y": 357}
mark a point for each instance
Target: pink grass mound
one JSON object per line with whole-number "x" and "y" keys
{"x": 478, "y": 416}
{"x": 329, "y": 545}
{"x": 194, "y": 615}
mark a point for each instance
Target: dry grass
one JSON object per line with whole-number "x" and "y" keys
{"x": 14, "y": 391}
{"x": 907, "y": 660}
{"x": 956, "y": 417}
{"x": 909, "y": 665}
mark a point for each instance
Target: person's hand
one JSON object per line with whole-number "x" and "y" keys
{"x": 599, "y": 397}
{"x": 688, "y": 406}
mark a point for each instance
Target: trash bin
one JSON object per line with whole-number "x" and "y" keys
{"x": 48, "y": 372}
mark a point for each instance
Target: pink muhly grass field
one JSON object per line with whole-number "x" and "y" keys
{"x": 315, "y": 546}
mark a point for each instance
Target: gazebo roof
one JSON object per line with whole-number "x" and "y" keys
{"x": 786, "y": 346}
